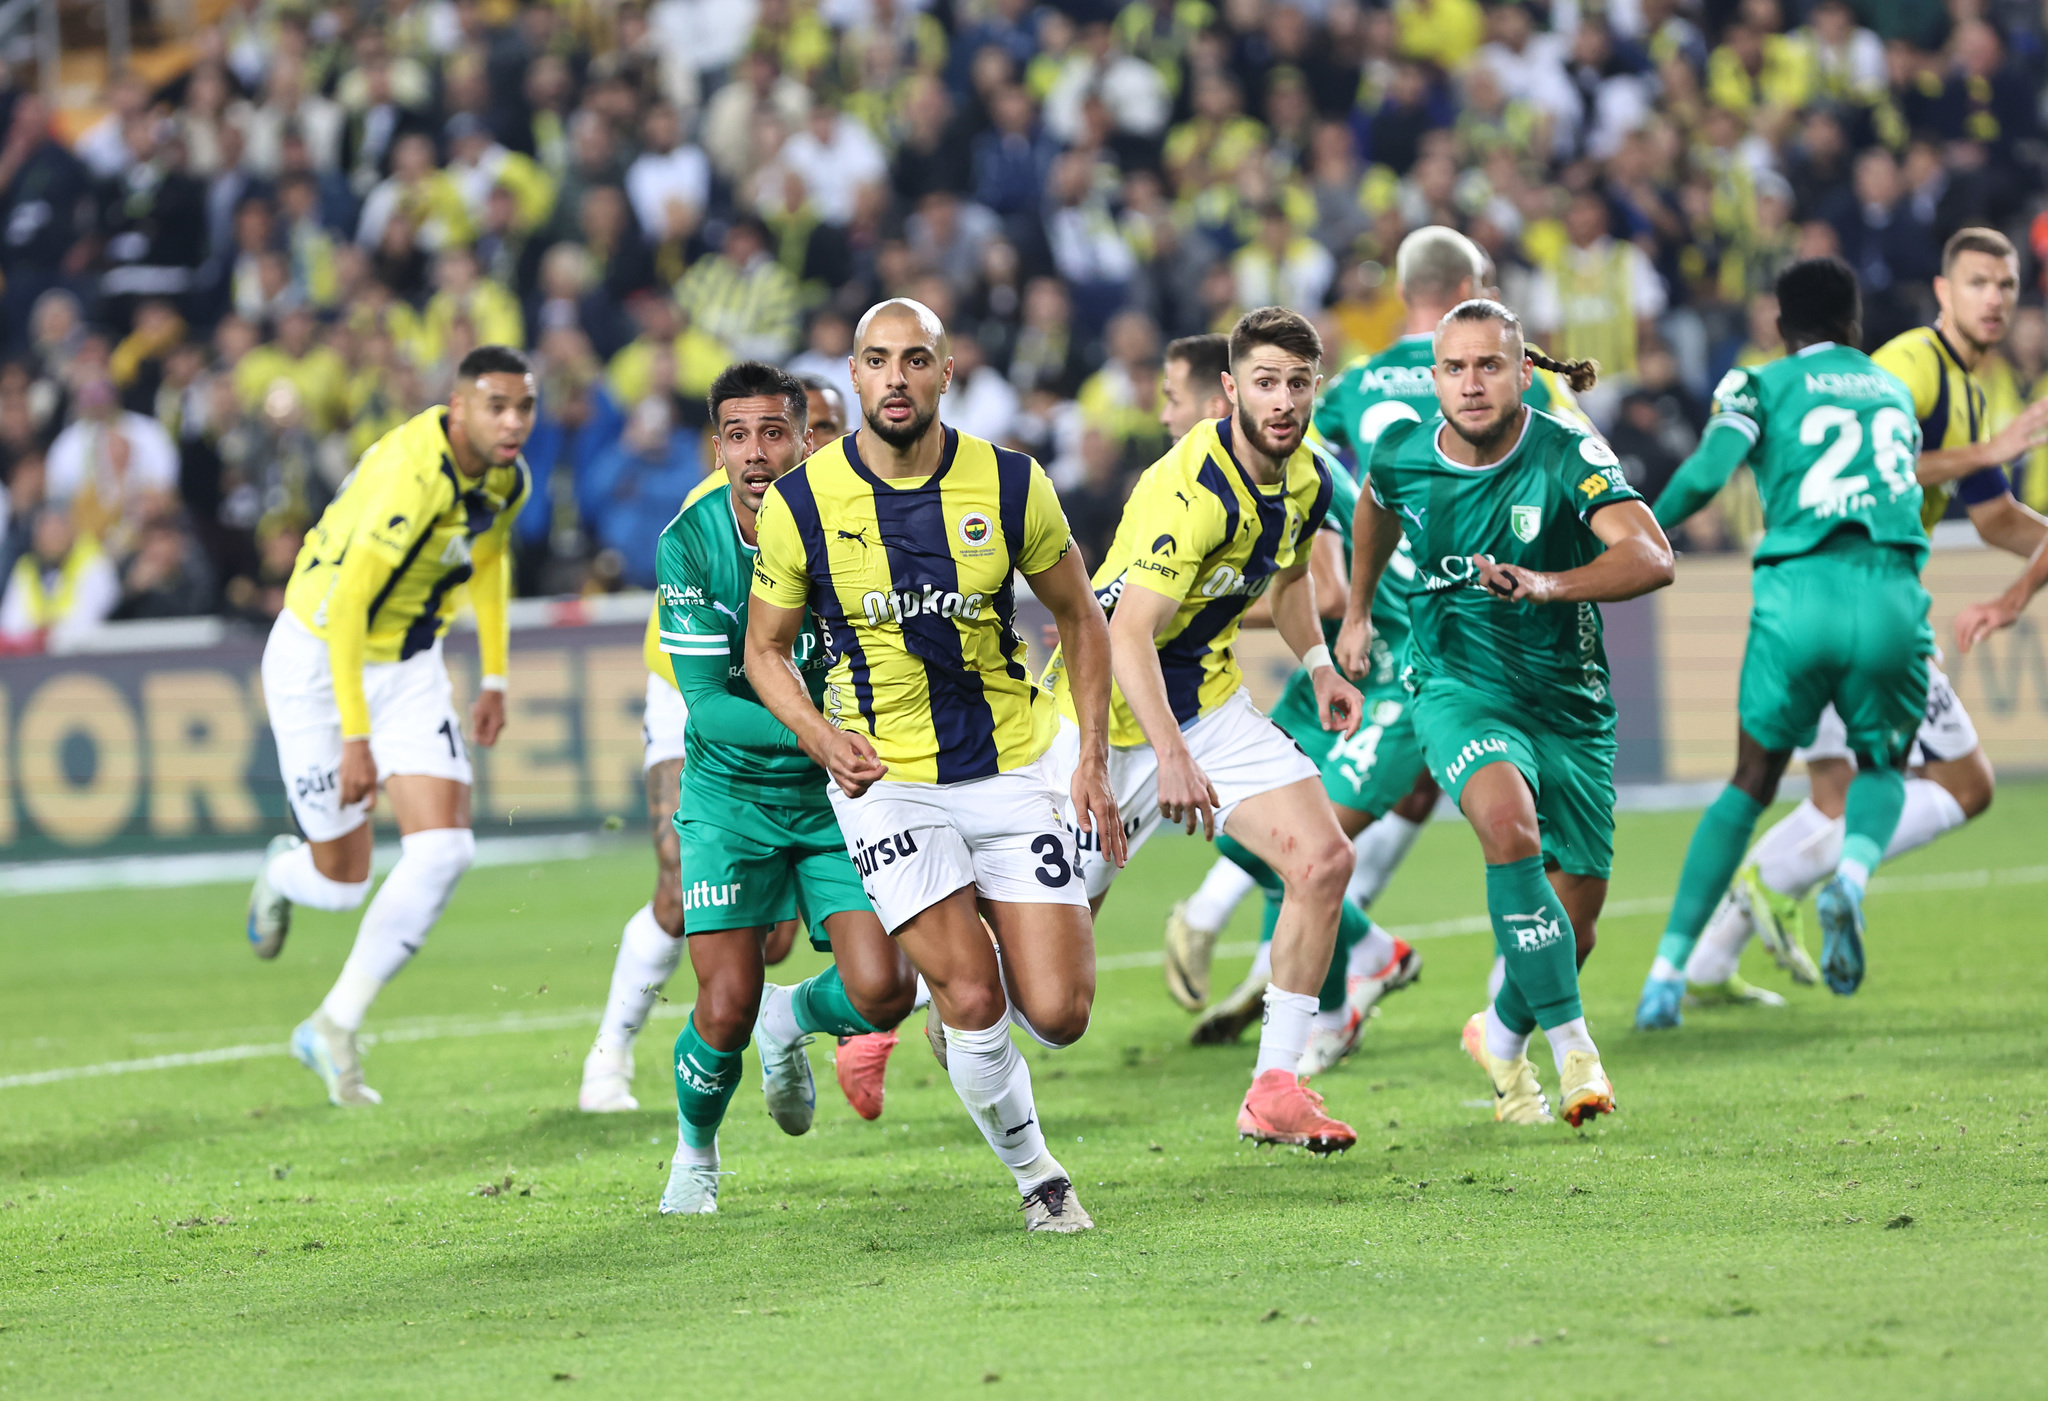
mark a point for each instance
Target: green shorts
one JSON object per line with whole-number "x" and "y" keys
{"x": 765, "y": 863}
{"x": 1464, "y": 729}
{"x": 1377, "y": 766}
{"x": 1849, "y": 625}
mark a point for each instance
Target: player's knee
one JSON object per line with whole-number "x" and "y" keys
{"x": 970, "y": 1006}
{"x": 726, "y": 1009}
{"x": 1323, "y": 868}
{"x": 1066, "y": 1021}
{"x": 447, "y": 852}
{"x": 1506, "y": 833}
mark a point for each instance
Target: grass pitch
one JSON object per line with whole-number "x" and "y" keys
{"x": 1844, "y": 1198}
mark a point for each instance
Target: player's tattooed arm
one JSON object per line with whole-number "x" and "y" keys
{"x": 1637, "y": 561}
{"x": 1185, "y": 794}
{"x": 1299, "y": 621}
{"x": 1084, "y": 643}
{"x": 772, "y": 672}
{"x": 1375, "y": 535}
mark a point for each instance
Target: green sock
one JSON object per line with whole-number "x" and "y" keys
{"x": 1352, "y": 925}
{"x": 821, "y": 1005}
{"x": 1513, "y": 1009}
{"x": 1710, "y": 862}
{"x": 1534, "y": 935}
{"x": 705, "y": 1080}
{"x": 1876, "y": 797}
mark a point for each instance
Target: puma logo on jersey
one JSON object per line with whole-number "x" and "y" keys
{"x": 858, "y": 536}
{"x": 868, "y": 859}
{"x": 1184, "y": 500}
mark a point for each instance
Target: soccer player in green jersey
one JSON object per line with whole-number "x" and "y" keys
{"x": 1520, "y": 524}
{"x": 758, "y": 839}
{"x": 1839, "y": 614}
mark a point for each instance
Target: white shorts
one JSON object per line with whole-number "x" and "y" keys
{"x": 916, "y": 843}
{"x": 413, "y": 725}
{"x": 662, "y": 723}
{"x": 1243, "y": 753}
{"x": 1946, "y": 731}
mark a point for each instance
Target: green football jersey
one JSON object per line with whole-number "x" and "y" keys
{"x": 1833, "y": 443}
{"x": 1530, "y": 509}
{"x": 736, "y": 748}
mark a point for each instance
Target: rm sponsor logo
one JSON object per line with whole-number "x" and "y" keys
{"x": 1533, "y": 932}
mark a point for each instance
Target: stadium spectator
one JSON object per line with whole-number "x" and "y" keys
{"x": 62, "y": 586}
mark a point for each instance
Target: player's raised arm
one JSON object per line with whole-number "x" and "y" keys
{"x": 1700, "y": 478}
{"x": 2004, "y": 522}
{"x": 1299, "y": 622}
{"x": 1375, "y": 535}
{"x": 1084, "y": 643}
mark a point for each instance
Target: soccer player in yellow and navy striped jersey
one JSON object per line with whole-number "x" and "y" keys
{"x": 1226, "y": 516}
{"x": 357, "y": 690}
{"x": 903, "y": 538}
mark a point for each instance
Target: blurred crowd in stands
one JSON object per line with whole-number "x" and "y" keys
{"x": 225, "y": 288}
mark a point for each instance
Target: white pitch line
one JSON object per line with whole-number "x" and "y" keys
{"x": 444, "y": 1028}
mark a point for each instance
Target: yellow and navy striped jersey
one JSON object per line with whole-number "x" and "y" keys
{"x": 912, "y": 580}
{"x": 381, "y": 573}
{"x": 1949, "y": 402}
{"x": 1199, "y": 529}
{"x": 650, "y": 645}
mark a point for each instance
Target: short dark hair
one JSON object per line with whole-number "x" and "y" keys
{"x": 1207, "y": 357}
{"x": 750, "y": 379}
{"x": 492, "y": 360}
{"x": 818, "y": 384}
{"x": 1278, "y": 327}
{"x": 1978, "y": 240}
{"x": 1818, "y": 300}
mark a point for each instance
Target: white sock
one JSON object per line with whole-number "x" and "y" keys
{"x": 1216, "y": 898}
{"x": 1501, "y": 1043}
{"x": 702, "y": 1157}
{"x": 647, "y": 959}
{"x": 1715, "y": 956}
{"x": 1379, "y": 850}
{"x": 1262, "y": 961}
{"x": 924, "y": 995}
{"x": 1285, "y": 1035}
{"x": 293, "y": 875}
{"x": 1370, "y": 954}
{"x": 1855, "y": 875}
{"x": 992, "y": 1080}
{"x": 778, "y": 1014}
{"x": 1568, "y": 1037}
{"x": 1930, "y": 810}
{"x": 1334, "y": 1021}
{"x": 1665, "y": 971}
{"x": 1799, "y": 851}
{"x": 1496, "y": 978}
{"x": 396, "y": 924}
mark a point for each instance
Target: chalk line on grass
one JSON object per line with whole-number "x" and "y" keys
{"x": 449, "y": 1028}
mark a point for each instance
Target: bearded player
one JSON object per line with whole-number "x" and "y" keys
{"x": 1950, "y": 779}
{"x": 1229, "y": 514}
{"x": 903, "y": 539}
{"x": 1520, "y": 525}
{"x": 359, "y": 695}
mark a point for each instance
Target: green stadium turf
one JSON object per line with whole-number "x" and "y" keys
{"x": 1843, "y": 1198}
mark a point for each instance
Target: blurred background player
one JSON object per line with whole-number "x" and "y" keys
{"x": 359, "y": 695}
{"x": 1950, "y": 780}
{"x": 758, "y": 843}
{"x": 905, "y": 537}
{"x": 1839, "y": 617}
{"x": 1228, "y": 515}
{"x": 1511, "y": 697}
